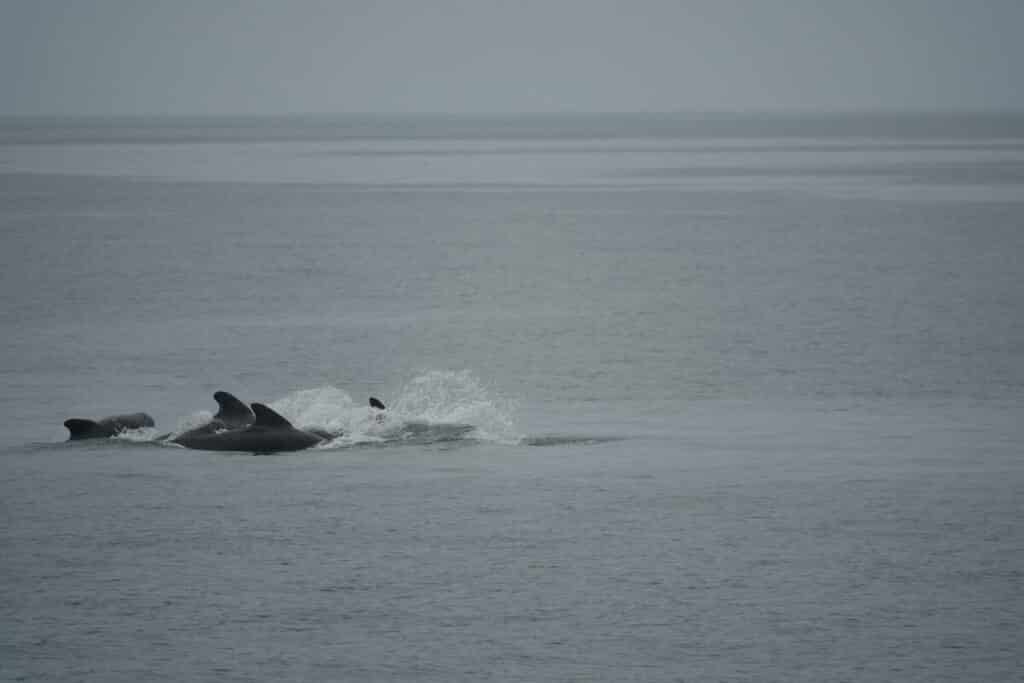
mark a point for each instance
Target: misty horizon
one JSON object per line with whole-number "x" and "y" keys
{"x": 118, "y": 58}
{"x": 691, "y": 114}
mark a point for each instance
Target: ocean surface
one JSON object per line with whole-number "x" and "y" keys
{"x": 671, "y": 398}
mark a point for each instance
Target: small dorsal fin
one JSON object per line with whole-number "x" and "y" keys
{"x": 265, "y": 417}
{"x": 80, "y": 427}
{"x": 232, "y": 411}
{"x": 376, "y": 403}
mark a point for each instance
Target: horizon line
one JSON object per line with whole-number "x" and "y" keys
{"x": 725, "y": 112}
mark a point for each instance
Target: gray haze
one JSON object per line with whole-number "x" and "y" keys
{"x": 194, "y": 56}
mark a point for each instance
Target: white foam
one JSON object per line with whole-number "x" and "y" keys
{"x": 140, "y": 435}
{"x": 457, "y": 397}
{"x": 435, "y": 398}
{"x": 325, "y": 407}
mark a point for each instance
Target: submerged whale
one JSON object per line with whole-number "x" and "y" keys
{"x": 82, "y": 428}
{"x": 268, "y": 433}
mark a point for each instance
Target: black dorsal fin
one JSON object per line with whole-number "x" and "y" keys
{"x": 265, "y": 417}
{"x": 232, "y": 411}
{"x": 81, "y": 427}
{"x": 376, "y": 403}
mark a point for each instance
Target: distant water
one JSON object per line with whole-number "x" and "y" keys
{"x": 672, "y": 398}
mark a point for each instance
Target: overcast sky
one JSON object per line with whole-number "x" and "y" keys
{"x": 317, "y": 56}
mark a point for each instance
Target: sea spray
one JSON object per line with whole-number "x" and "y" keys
{"x": 457, "y": 397}
{"x": 140, "y": 435}
{"x": 437, "y": 398}
{"x": 328, "y": 408}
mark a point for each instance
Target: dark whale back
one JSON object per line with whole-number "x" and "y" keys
{"x": 81, "y": 428}
{"x": 269, "y": 433}
{"x": 232, "y": 414}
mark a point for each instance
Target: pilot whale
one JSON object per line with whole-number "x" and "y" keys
{"x": 232, "y": 414}
{"x": 268, "y": 433}
{"x": 82, "y": 428}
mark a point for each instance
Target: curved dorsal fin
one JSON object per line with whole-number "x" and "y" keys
{"x": 232, "y": 411}
{"x": 265, "y": 417}
{"x": 376, "y": 403}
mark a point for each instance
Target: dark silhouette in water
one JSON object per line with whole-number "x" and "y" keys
{"x": 232, "y": 414}
{"x": 82, "y": 428}
{"x": 377, "y": 404}
{"x": 235, "y": 427}
{"x": 269, "y": 433}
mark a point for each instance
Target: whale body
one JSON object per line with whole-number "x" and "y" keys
{"x": 82, "y": 428}
{"x": 232, "y": 414}
{"x": 269, "y": 432}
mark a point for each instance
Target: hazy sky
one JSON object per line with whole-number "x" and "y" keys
{"x": 296, "y": 56}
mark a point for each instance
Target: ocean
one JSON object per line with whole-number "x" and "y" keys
{"x": 729, "y": 397}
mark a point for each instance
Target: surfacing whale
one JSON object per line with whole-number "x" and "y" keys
{"x": 82, "y": 428}
{"x": 232, "y": 414}
{"x": 268, "y": 433}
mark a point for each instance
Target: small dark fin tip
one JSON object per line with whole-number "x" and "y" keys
{"x": 376, "y": 403}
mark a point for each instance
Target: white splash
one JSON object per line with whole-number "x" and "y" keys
{"x": 327, "y": 408}
{"x": 457, "y": 398}
{"x": 422, "y": 409}
{"x": 140, "y": 435}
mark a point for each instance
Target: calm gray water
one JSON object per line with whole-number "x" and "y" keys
{"x": 745, "y": 398}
